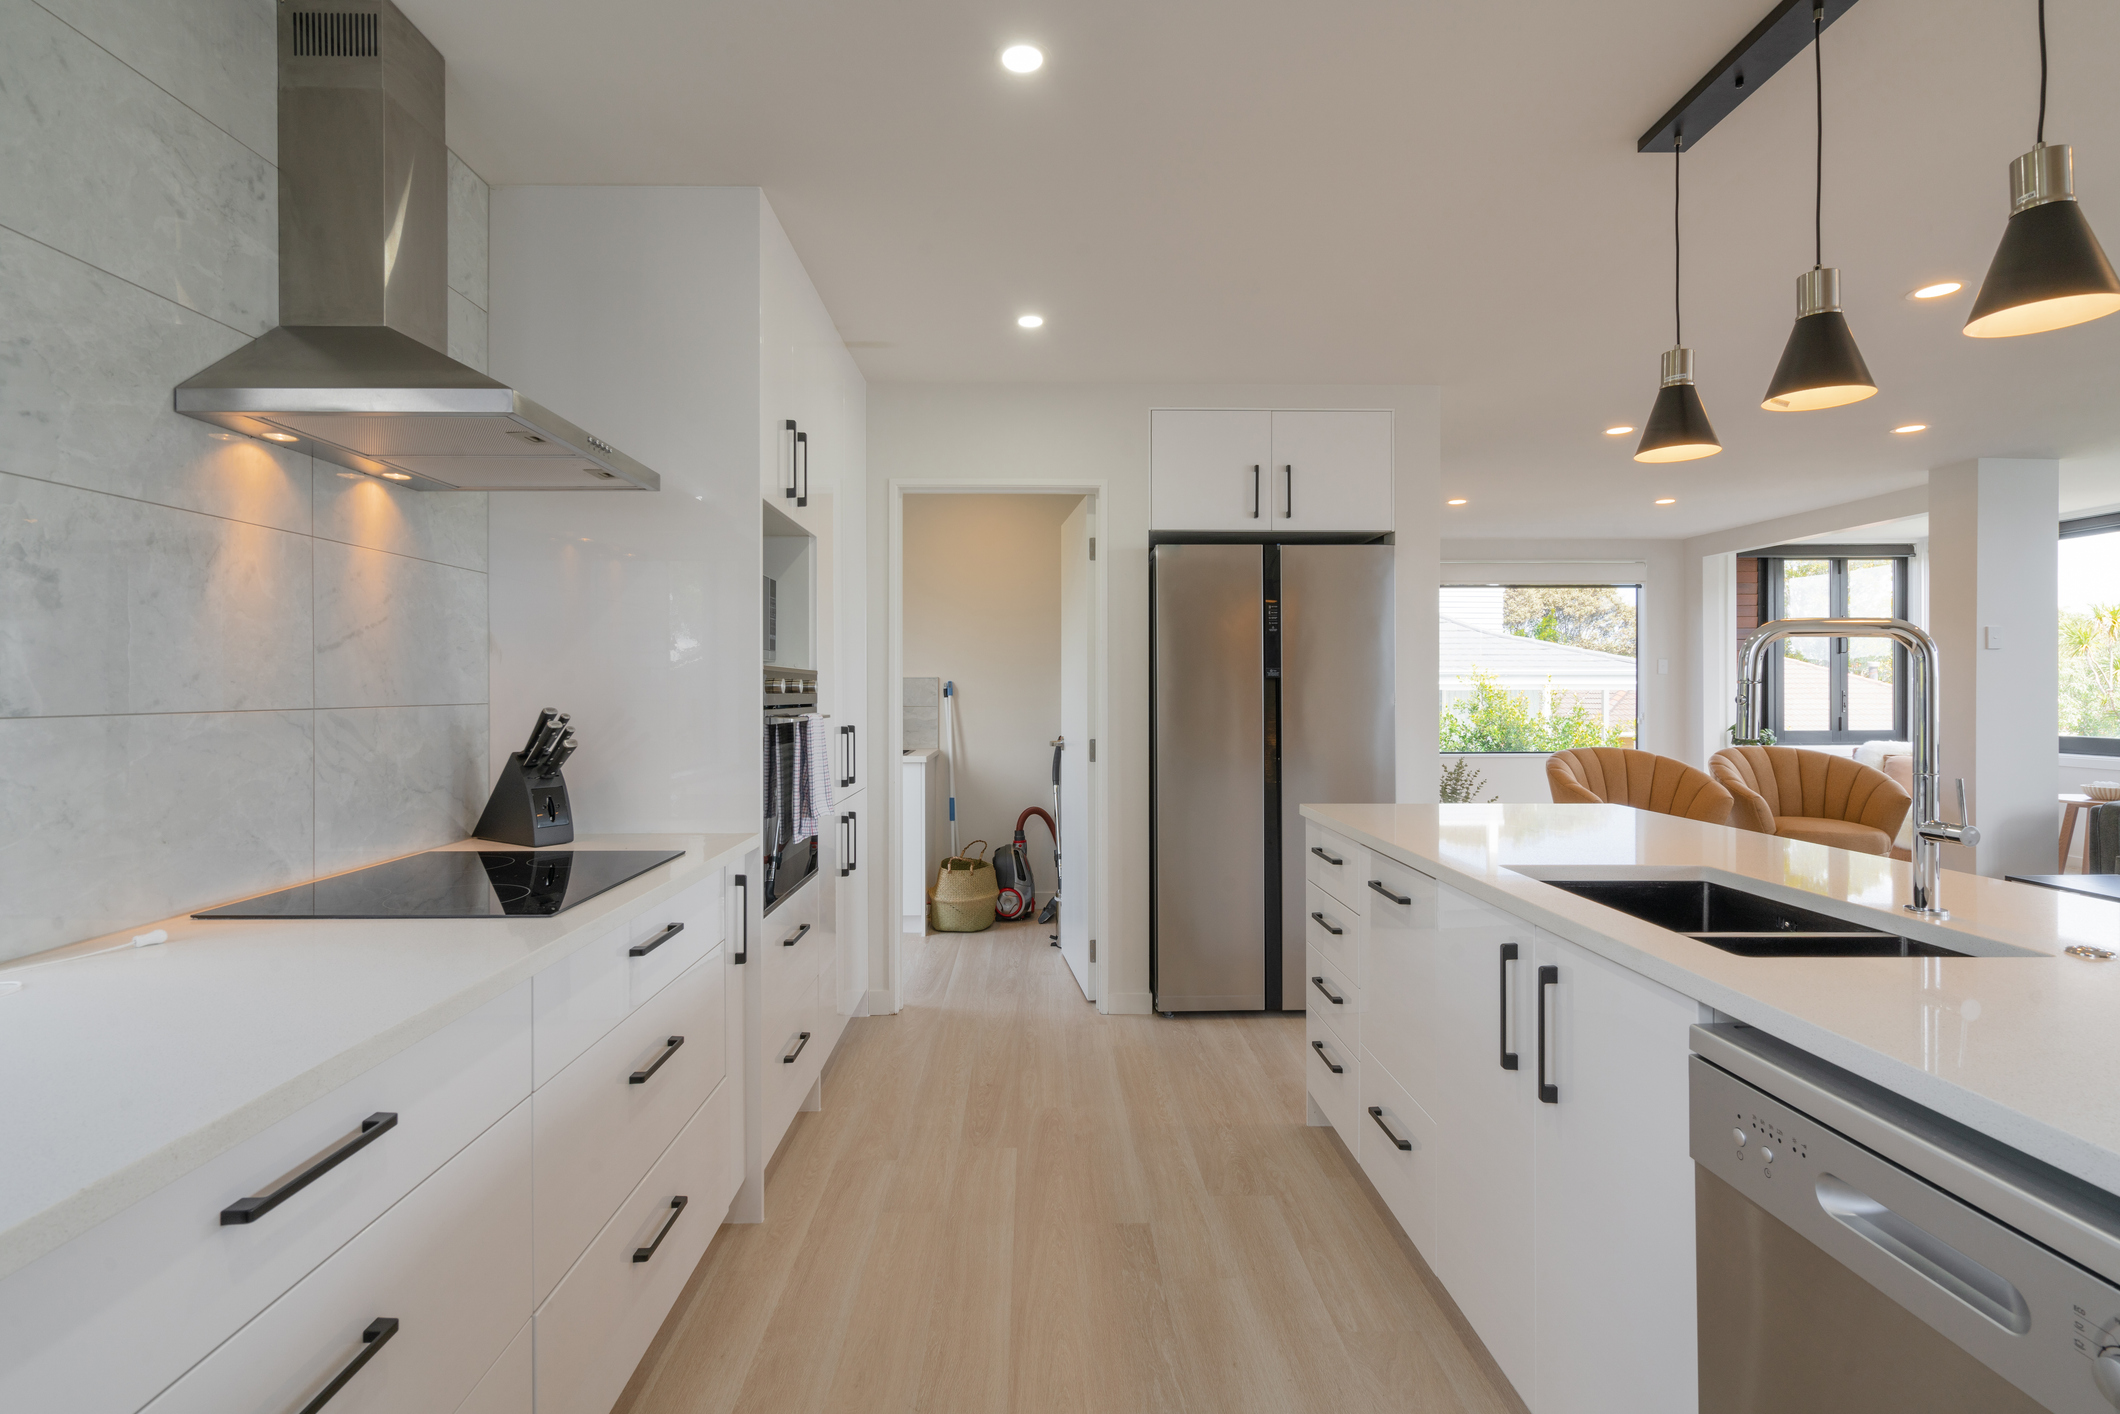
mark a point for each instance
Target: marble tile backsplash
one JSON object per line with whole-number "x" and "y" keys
{"x": 223, "y": 668}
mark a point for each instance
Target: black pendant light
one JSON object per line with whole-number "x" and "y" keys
{"x": 1677, "y": 429}
{"x": 1820, "y": 366}
{"x": 2049, "y": 271}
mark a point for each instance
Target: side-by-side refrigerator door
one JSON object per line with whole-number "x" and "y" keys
{"x": 1337, "y": 731}
{"x": 1209, "y": 791}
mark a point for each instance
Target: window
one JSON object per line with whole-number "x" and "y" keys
{"x": 2090, "y": 636}
{"x": 1538, "y": 667}
{"x": 1823, "y": 690}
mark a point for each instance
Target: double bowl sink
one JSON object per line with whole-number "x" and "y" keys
{"x": 1749, "y": 924}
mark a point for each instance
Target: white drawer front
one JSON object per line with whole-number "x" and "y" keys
{"x": 1336, "y": 1091}
{"x": 598, "y": 1130}
{"x": 793, "y": 1047}
{"x": 666, "y": 940}
{"x": 450, "y": 1264}
{"x": 578, "y": 999}
{"x": 1405, "y": 1176}
{"x": 505, "y": 1389}
{"x": 592, "y": 1330}
{"x": 1335, "y": 930}
{"x": 165, "y": 1281}
{"x": 1400, "y": 1003}
{"x": 1327, "y": 981}
{"x": 1343, "y": 880}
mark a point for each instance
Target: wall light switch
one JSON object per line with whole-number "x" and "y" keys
{"x": 1663, "y": 665}
{"x": 1991, "y": 638}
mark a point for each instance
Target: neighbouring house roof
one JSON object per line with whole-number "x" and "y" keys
{"x": 1526, "y": 662}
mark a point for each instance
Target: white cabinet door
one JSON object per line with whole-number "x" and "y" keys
{"x": 1482, "y": 970}
{"x": 1330, "y": 470}
{"x": 853, "y": 886}
{"x": 1612, "y": 1218}
{"x": 1208, "y": 469}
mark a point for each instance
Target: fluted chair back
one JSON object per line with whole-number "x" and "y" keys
{"x": 1604, "y": 775}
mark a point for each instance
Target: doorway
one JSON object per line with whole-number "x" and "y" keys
{"x": 995, "y": 679}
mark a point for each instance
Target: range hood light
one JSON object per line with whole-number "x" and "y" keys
{"x": 279, "y": 437}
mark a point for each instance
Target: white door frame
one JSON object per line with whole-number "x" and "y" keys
{"x": 1098, "y": 870}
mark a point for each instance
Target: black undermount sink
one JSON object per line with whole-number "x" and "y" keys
{"x": 1744, "y": 923}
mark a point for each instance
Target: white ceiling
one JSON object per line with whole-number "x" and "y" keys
{"x": 1382, "y": 191}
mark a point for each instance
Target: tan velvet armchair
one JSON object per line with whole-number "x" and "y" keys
{"x": 1614, "y": 776}
{"x": 1812, "y": 795}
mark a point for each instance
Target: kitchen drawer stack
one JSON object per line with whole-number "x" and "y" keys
{"x": 800, "y": 1016}
{"x": 497, "y": 1218}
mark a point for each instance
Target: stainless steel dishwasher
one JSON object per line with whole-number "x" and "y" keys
{"x": 1859, "y": 1253}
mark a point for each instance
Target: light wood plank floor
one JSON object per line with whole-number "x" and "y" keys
{"x": 1011, "y": 1203}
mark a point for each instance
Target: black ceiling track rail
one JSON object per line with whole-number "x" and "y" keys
{"x": 1773, "y": 42}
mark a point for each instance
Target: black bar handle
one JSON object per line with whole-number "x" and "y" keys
{"x": 845, "y": 850}
{"x": 670, "y": 930}
{"x": 853, "y": 754}
{"x": 1329, "y": 859}
{"x": 1376, "y": 1112}
{"x": 640, "y": 1077}
{"x": 257, "y": 1205}
{"x": 854, "y": 840}
{"x": 1319, "y": 983}
{"x": 1330, "y": 1064}
{"x": 802, "y": 445}
{"x": 790, "y": 492}
{"x": 1336, "y": 932}
{"x": 1255, "y": 492}
{"x": 1509, "y": 955}
{"x": 1378, "y": 885}
{"x": 1291, "y": 471}
{"x": 677, "y": 1208}
{"x": 795, "y": 937}
{"x": 373, "y": 1339}
{"x": 1547, "y": 977}
{"x": 743, "y": 914}
{"x": 802, "y": 1039}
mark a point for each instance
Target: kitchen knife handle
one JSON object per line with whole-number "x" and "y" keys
{"x": 792, "y": 444}
{"x": 641, "y": 1077}
{"x": 669, "y": 931}
{"x": 372, "y": 1340}
{"x": 1509, "y": 955}
{"x": 257, "y": 1205}
{"x": 537, "y": 733}
{"x": 677, "y": 1208}
{"x": 1376, "y": 1112}
{"x": 1548, "y": 1093}
{"x": 743, "y": 915}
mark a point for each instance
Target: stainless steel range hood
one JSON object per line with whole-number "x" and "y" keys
{"x": 356, "y": 374}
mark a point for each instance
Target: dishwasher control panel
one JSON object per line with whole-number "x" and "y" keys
{"x": 2038, "y": 1320}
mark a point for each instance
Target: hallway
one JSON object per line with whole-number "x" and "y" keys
{"x": 1010, "y": 1202}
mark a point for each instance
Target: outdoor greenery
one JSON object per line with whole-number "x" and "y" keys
{"x": 2090, "y": 671}
{"x": 1495, "y": 719}
{"x": 1585, "y": 616}
{"x": 1461, "y": 785}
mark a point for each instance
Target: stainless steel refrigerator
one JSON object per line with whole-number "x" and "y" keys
{"x": 1270, "y": 688}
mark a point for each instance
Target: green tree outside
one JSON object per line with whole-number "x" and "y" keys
{"x": 1495, "y": 719}
{"x": 2090, "y": 671}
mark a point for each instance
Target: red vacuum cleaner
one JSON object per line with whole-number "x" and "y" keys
{"x": 1012, "y": 870}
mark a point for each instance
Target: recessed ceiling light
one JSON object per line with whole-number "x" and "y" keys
{"x": 1459, "y": 501}
{"x": 1667, "y": 501}
{"x": 393, "y": 476}
{"x": 279, "y": 437}
{"x": 1023, "y": 58}
{"x": 1937, "y": 290}
{"x": 1030, "y": 321}
{"x": 1617, "y": 431}
{"x": 1912, "y": 427}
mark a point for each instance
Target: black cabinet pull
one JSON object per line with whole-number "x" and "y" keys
{"x": 373, "y": 1339}
{"x": 1378, "y": 885}
{"x": 845, "y": 850}
{"x": 1255, "y": 492}
{"x": 1319, "y": 983}
{"x": 853, "y": 754}
{"x": 1329, "y": 859}
{"x": 257, "y": 1205}
{"x": 743, "y": 915}
{"x": 1330, "y": 1064}
{"x": 1509, "y": 955}
{"x": 1336, "y": 932}
{"x": 792, "y": 939}
{"x": 1291, "y": 472}
{"x": 640, "y": 1077}
{"x": 677, "y": 1208}
{"x": 670, "y": 930}
{"x": 853, "y": 840}
{"x": 1376, "y": 1112}
{"x": 802, "y": 1039}
{"x": 1547, "y": 977}
{"x": 790, "y": 492}
{"x": 802, "y": 447}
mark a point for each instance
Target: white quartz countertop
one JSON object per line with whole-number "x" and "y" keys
{"x": 2024, "y": 1049}
{"x": 124, "y": 1068}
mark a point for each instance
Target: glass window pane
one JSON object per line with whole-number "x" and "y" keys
{"x": 1806, "y": 684}
{"x": 1537, "y": 667}
{"x": 1873, "y": 589}
{"x": 2090, "y": 635}
{"x": 1806, "y": 587}
{"x": 1870, "y": 695}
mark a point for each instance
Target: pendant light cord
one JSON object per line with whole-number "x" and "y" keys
{"x": 1678, "y": 325}
{"x": 1818, "y": 193}
{"x": 2041, "y": 137}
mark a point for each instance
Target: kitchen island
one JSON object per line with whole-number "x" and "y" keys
{"x": 1508, "y": 1060}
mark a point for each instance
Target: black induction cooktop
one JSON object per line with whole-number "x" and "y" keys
{"x": 453, "y": 883}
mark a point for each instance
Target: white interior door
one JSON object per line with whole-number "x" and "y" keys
{"x": 1076, "y": 616}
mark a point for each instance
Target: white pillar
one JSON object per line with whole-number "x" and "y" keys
{"x": 1992, "y": 552}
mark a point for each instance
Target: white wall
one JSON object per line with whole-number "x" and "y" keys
{"x": 1075, "y": 434}
{"x": 982, "y": 609}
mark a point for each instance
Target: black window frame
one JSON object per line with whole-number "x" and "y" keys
{"x": 2072, "y": 530}
{"x": 1837, "y": 557}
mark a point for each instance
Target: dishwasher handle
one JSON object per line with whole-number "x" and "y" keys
{"x": 1987, "y": 1292}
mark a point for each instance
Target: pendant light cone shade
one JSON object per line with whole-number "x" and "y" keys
{"x": 2049, "y": 272}
{"x": 1677, "y": 429}
{"x": 1820, "y": 366}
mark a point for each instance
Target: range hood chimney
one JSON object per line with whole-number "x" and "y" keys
{"x": 357, "y": 374}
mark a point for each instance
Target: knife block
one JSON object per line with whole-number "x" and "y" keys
{"x": 527, "y": 808}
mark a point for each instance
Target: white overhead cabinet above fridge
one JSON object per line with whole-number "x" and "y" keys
{"x": 1254, "y": 471}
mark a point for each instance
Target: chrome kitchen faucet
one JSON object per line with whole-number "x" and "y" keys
{"x": 1931, "y": 831}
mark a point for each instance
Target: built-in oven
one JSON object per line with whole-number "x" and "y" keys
{"x": 1858, "y": 1253}
{"x": 790, "y": 834}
